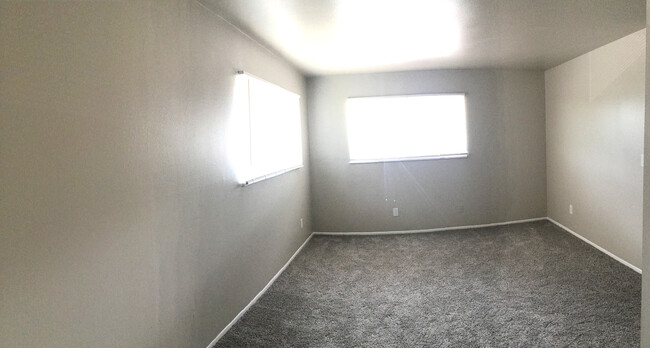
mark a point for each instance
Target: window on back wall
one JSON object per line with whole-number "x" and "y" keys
{"x": 269, "y": 139}
{"x": 413, "y": 127}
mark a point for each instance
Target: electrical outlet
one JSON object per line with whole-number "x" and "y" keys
{"x": 571, "y": 209}
{"x": 395, "y": 212}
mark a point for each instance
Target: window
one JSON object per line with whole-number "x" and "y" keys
{"x": 398, "y": 128}
{"x": 270, "y": 140}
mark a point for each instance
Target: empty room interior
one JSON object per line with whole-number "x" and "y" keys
{"x": 324, "y": 173}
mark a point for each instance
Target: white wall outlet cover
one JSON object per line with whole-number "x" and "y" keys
{"x": 395, "y": 212}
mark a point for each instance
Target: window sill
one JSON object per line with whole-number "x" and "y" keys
{"x": 269, "y": 176}
{"x": 405, "y": 159}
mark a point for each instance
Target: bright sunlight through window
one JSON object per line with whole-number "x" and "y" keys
{"x": 270, "y": 141}
{"x": 398, "y": 128}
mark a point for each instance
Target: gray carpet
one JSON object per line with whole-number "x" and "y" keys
{"x": 524, "y": 285}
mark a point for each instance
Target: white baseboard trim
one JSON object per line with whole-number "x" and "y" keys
{"x": 254, "y": 300}
{"x": 608, "y": 253}
{"x": 451, "y": 228}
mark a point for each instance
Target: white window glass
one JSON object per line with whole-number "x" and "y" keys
{"x": 274, "y": 131}
{"x": 398, "y": 128}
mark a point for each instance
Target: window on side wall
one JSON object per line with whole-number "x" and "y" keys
{"x": 269, "y": 137}
{"x": 410, "y": 127}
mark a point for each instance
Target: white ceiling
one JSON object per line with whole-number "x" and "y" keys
{"x": 351, "y": 36}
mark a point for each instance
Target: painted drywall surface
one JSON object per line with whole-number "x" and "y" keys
{"x": 594, "y": 134}
{"x": 121, "y": 221}
{"x": 645, "y": 279}
{"x": 504, "y": 177}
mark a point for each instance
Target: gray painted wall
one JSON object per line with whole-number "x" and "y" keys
{"x": 594, "y": 134}
{"x": 645, "y": 279}
{"x": 122, "y": 224}
{"x": 504, "y": 177}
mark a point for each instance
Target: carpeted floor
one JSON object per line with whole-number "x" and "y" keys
{"x": 524, "y": 285}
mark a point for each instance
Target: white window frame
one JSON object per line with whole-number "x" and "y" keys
{"x": 462, "y": 154}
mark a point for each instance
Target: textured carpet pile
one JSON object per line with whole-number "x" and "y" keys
{"x": 523, "y": 285}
